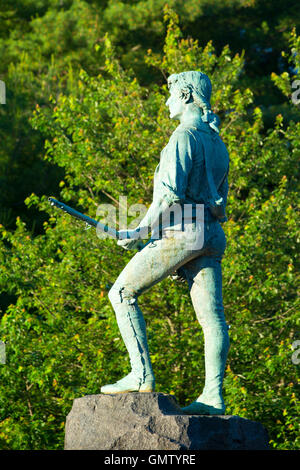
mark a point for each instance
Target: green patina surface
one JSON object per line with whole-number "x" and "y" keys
{"x": 193, "y": 170}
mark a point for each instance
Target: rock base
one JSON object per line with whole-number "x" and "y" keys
{"x": 154, "y": 421}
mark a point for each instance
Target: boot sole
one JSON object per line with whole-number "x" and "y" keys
{"x": 142, "y": 389}
{"x": 203, "y": 409}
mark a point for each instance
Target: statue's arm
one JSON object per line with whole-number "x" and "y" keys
{"x": 175, "y": 167}
{"x": 151, "y": 219}
{"x": 169, "y": 188}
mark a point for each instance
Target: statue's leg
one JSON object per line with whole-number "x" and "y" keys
{"x": 205, "y": 280}
{"x": 153, "y": 263}
{"x": 132, "y": 327}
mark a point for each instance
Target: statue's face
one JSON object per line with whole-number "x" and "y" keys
{"x": 175, "y": 104}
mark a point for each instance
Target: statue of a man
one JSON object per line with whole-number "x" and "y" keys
{"x": 193, "y": 170}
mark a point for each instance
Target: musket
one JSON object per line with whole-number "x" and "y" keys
{"x": 85, "y": 218}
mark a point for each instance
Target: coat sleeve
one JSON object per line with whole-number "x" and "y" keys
{"x": 176, "y": 166}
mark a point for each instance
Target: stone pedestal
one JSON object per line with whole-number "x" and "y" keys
{"x": 154, "y": 421}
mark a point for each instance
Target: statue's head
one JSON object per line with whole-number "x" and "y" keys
{"x": 191, "y": 90}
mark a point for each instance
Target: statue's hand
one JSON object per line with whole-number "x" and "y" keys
{"x": 130, "y": 239}
{"x": 128, "y": 244}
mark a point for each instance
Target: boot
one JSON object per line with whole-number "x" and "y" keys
{"x": 133, "y": 331}
{"x": 216, "y": 343}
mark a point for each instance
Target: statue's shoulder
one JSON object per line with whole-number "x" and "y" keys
{"x": 183, "y": 132}
{"x": 197, "y": 130}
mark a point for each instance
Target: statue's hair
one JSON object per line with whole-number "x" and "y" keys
{"x": 197, "y": 83}
{"x": 199, "y": 86}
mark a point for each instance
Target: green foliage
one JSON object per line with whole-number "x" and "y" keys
{"x": 35, "y": 66}
{"x": 43, "y": 43}
{"x": 104, "y": 134}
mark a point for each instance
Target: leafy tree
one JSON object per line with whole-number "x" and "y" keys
{"x": 43, "y": 43}
{"x": 61, "y": 337}
{"x": 37, "y": 60}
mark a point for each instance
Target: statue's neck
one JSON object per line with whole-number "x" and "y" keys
{"x": 192, "y": 116}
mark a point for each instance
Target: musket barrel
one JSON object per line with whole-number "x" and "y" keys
{"x": 85, "y": 218}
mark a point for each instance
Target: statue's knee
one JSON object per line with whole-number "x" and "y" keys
{"x": 113, "y": 295}
{"x": 120, "y": 294}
